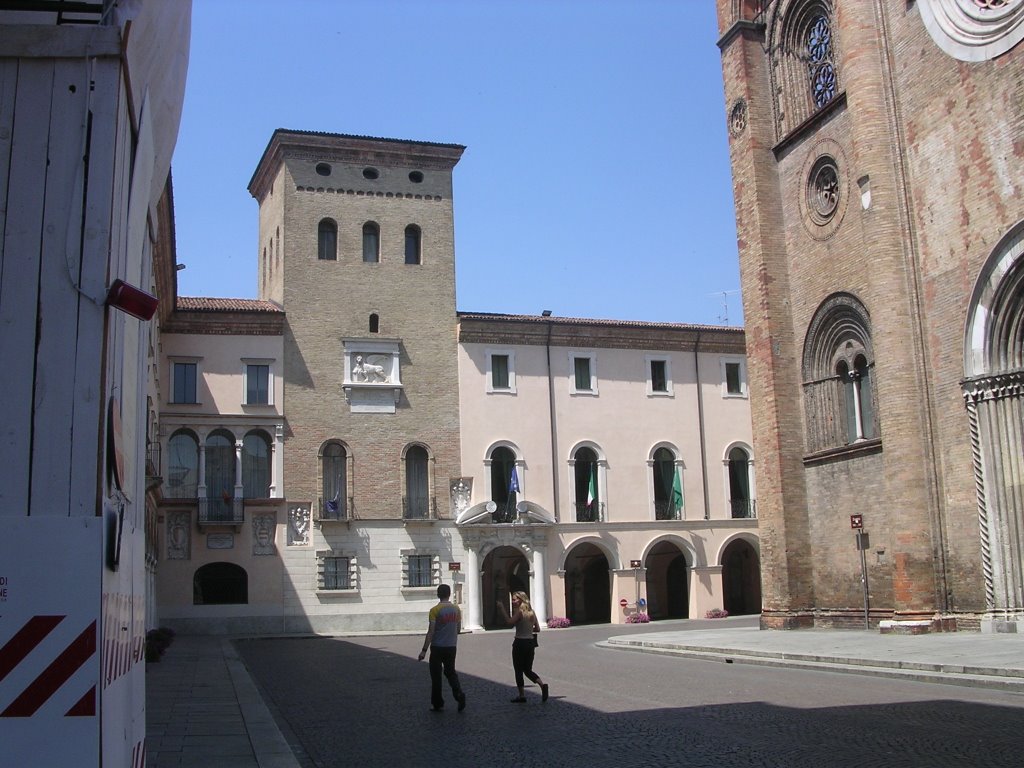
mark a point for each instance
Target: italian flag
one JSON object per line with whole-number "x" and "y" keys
{"x": 592, "y": 487}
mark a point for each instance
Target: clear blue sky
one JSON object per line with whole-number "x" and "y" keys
{"x": 595, "y": 182}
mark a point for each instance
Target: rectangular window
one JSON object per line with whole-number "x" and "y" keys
{"x": 659, "y": 377}
{"x": 420, "y": 572}
{"x": 336, "y": 573}
{"x": 734, "y": 377}
{"x": 184, "y": 382}
{"x": 499, "y": 371}
{"x": 581, "y": 368}
{"x": 257, "y": 380}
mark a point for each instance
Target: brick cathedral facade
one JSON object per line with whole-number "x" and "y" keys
{"x": 877, "y": 151}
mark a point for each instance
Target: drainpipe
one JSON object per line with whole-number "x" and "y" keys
{"x": 551, "y": 417}
{"x": 700, "y": 424}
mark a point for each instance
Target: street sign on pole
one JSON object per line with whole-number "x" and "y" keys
{"x": 623, "y": 602}
{"x": 856, "y": 522}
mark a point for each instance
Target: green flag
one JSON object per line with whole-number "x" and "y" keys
{"x": 677, "y": 493}
{"x": 592, "y": 487}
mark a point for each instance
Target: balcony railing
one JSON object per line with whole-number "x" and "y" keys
{"x": 343, "y": 509}
{"x": 419, "y": 508}
{"x": 589, "y": 513}
{"x": 221, "y": 511}
{"x": 743, "y": 508}
{"x": 505, "y": 513}
{"x": 152, "y": 459}
{"x": 666, "y": 510}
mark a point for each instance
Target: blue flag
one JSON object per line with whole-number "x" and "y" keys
{"x": 513, "y": 482}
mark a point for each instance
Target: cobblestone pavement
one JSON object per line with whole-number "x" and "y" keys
{"x": 365, "y": 702}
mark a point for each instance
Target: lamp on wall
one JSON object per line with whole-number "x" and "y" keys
{"x": 134, "y": 301}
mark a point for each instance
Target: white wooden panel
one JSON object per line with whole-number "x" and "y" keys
{"x": 19, "y": 289}
{"x": 90, "y": 398}
{"x": 8, "y": 84}
{"x": 53, "y": 399}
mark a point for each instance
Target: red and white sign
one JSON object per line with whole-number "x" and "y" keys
{"x": 49, "y": 650}
{"x": 856, "y": 522}
{"x": 623, "y": 602}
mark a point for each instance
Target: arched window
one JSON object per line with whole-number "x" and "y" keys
{"x": 589, "y": 507}
{"x": 334, "y": 482}
{"x": 256, "y": 465}
{"x": 371, "y": 242}
{"x": 804, "y": 61}
{"x": 182, "y": 466}
{"x": 220, "y": 584}
{"x": 838, "y": 370}
{"x": 327, "y": 240}
{"x": 374, "y": 323}
{"x": 741, "y": 502}
{"x": 504, "y": 484}
{"x": 668, "y": 493}
{"x": 220, "y": 466}
{"x": 417, "y": 484}
{"x": 413, "y": 244}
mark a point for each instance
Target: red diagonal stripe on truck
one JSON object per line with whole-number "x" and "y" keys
{"x": 82, "y": 648}
{"x": 27, "y": 638}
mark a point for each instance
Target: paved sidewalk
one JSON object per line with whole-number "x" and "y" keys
{"x": 952, "y": 658}
{"x": 204, "y": 711}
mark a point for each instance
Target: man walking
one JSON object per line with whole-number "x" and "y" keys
{"x": 445, "y": 623}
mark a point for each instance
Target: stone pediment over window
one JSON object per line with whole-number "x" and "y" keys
{"x": 372, "y": 374}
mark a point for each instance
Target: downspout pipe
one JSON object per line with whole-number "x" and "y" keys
{"x": 700, "y": 426}
{"x": 551, "y": 418}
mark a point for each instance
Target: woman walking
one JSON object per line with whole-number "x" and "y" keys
{"x": 525, "y": 643}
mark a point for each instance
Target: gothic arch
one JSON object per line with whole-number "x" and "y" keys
{"x": 803, "y": 58}
{"x": 993, "y": 390}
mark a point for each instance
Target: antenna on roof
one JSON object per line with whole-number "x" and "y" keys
{"x": 724, "y": 317}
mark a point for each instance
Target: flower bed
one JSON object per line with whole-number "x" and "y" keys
{"x": 558, "y": 622}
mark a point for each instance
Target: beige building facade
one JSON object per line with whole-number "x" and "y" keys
{"x": 377, "y": 458}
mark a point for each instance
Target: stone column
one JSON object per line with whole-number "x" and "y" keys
{"x": 473, "y": 590}
{"x": 201, "y": 487}
{"x": 539, "y": 587}
{"x": 239, "y": 491}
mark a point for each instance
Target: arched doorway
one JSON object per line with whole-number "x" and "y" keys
{"x": 667, "y": 582}
{"x": 220, "y": 584}
{"x": 506, "y": 570}
{"x": 741, "y": 579}
{"x": 587, "y": 585}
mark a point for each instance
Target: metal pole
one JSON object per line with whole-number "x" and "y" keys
{"x": 863, "y": 575}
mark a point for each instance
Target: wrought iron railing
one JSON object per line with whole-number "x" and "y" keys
{"x": 419, "y": 508}
{"x": 221, "y": 511}
{"x": 342, "y": 509}
{"x": 743, "y": 508}
{"x": 505, "y": 513}
{"x": 152, "y": 459}
{"x": 666, "y": 510}
{"x": 589, "y": 513}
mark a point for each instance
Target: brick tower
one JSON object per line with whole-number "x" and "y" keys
{"x": 357, "y": 246}
{"x": 876, "y": 158}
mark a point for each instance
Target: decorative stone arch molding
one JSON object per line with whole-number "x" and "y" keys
{"x": 747, "y": 536}
{"x": 993, "y": 390}
{"x": 804, "y": 58}
{"x": 611, "y": 555}
{"x": 974, "y": 30}
{"x": 694, "y": 559}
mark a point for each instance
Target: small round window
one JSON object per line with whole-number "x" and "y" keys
{"x": 371, "y": 173}
{"x": 416, "y": 177}
{"x": 324, "y": 169}
{"x": 823, "y": 190}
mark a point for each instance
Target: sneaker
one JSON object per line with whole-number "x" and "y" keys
{"x": 437, "y": 709}
{"x": 544, "y": 692}
{"x": 462, "y": 701}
